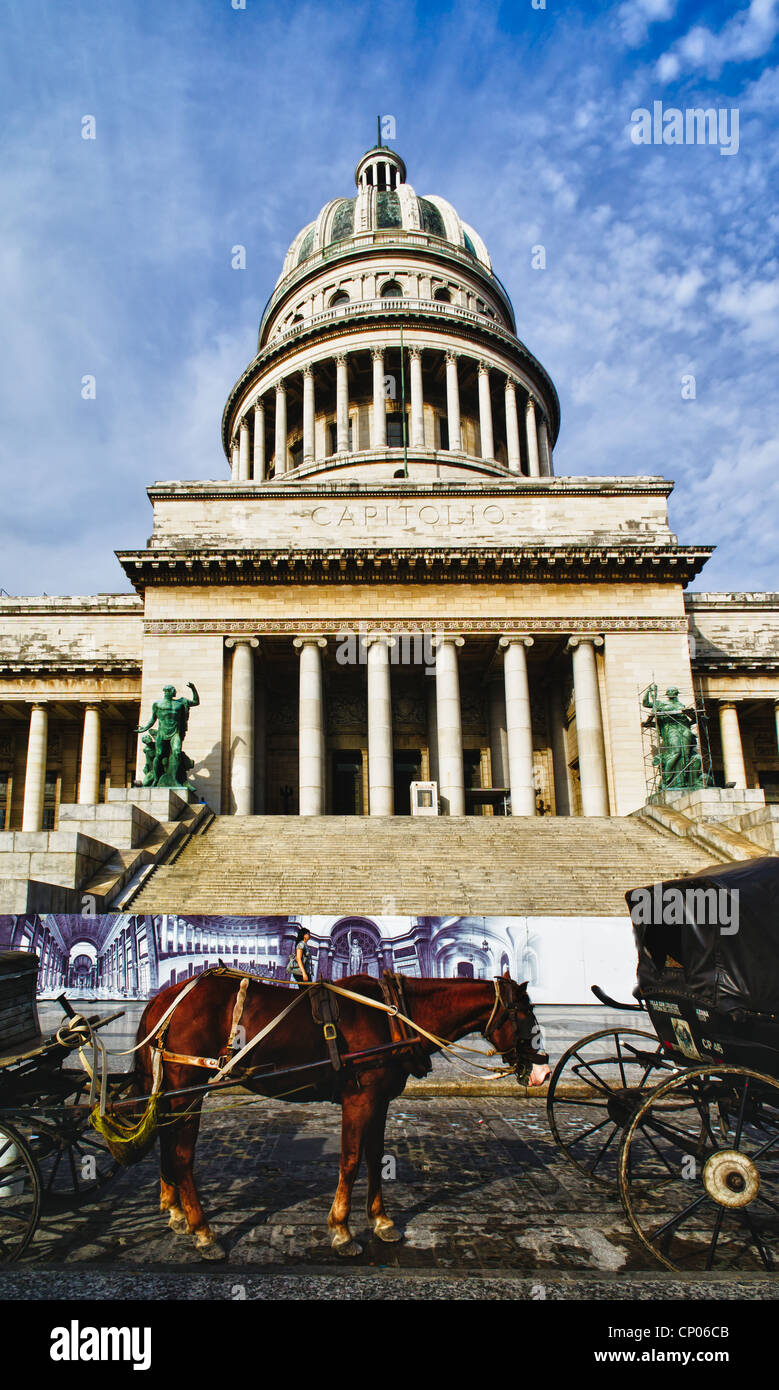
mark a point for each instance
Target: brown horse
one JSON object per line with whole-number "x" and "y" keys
{"x": 201, "y": 1025}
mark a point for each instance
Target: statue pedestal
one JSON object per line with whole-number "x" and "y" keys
{"x": 712, "y": 803}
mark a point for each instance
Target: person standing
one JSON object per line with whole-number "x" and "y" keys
{"x": 301, "y": 966}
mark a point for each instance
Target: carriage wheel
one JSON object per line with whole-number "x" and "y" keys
{"x": 606, "y": 1076}
{"x": 73, "y": 1160}
{"x": 20, "y": 1195}
{"x": 705, "y": 1196}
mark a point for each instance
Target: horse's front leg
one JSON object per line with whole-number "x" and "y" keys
{"x": 383, "y": 1225}
{"x": 357, "y": 1112}
{"x": 170, "y": 1203}
{"x": 177, "y": 1156}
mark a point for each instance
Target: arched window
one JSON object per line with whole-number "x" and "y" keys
{"x": 392, "y": 290}
{"x": 443, "y": 295}
{"x": 340, "y": 297}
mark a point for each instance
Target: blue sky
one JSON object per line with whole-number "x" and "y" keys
{"x": 217, "y": 126}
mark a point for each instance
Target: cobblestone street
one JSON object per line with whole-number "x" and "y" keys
{"x": 480, "y": 1191}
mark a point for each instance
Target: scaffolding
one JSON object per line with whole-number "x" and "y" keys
{"x": 677, "y": 752}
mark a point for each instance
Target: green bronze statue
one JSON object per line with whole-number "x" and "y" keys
{"x": 677, "y": 757}
{"x": 165, "y": 762}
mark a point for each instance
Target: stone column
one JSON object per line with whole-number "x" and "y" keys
{"x": 512, "y": 426}
{"x": 308, "y": 415}
{"x": 235, "y": 460}
{"x": 485, "y": 412}
{"x": 281, "y": 429}
{"x": 557, "y": 728}
{"x": 258, "y": 470}
{"x": 417, "y": 401}
{"x": 379, "y": 416}
{"x": 89, "y": 777}
{"x": 519, "y": 725}
{"x": 732, "y": 751}
{"x": 534, "y": 466}
{"x": 451, "y": 773}
{"x": 341, "y": 405}
{"x": 242, "y": 725}
{"x": 311, "y": 744}
{"x": 589, "y": 726}
{"x": 499, "y": 751}
{"x": 35, "y": 774}
{"x": 453, "y": 402}
{"x": 243, "y": 451}
{"x": 544, "y": 448}
{"x": 776, "y": 721}
{"x": 381, "y": 777}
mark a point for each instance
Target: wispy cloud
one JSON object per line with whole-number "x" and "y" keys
{"x": 748, "y": 35}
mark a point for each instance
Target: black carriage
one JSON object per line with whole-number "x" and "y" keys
{"x": 51, "y": 1160}
{"x": 685, "y": 1119}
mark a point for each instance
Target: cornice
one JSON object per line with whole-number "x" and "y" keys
{"x": 482, "y": 627}
{"x": 516, "y": 486}
{"x": 469, "y": 564}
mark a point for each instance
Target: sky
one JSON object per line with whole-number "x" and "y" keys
{"x": 231, "y": 122}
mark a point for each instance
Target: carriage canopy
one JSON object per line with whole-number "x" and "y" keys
{"x": 713, "y": 935}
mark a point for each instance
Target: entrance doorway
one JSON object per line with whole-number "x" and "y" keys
{"x": 347, "y": 782}
{"x": 407, "y": 768}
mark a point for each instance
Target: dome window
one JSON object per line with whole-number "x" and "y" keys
{"x": 343, "y": 222}
{"x": 392, "y": 290}
{"x": 340, "y": 297}
{"x": 388, "y": 210}
{"x": 432, "y": 221}
{"x": 306, "y": 247}
{"x": 443, "y": 295}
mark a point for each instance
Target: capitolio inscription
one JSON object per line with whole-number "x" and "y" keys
{"x": 408, "y": 515}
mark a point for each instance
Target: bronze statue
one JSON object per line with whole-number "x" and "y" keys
{"x": 677, "y": 757}
{"x": 166, "y": 763}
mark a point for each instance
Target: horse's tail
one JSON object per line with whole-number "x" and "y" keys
{"x": 129, "y": 1139}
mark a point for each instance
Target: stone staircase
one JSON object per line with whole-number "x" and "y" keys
{"x": 267, "y": 865}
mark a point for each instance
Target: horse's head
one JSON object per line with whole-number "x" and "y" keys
{"x": 512, "y": 1028}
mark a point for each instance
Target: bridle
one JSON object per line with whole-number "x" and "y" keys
{"x": 521, "y": 1053}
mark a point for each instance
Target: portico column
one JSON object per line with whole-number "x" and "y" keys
{"x": 732, "y": 751}
{"x": 776, "y": 721}
{"x": 308, "y": 415}
{"x": 499, "y": 753}
{"x": 533, "y": 464}
{"x": 341, "y": 405}
{"x": 89, "y": 778}
{"x": 242, "y": 725}
{"x": 311, "y": 746}
{"x": 544, "y": 448}
{"x": 380, "y": 765}
{"x": 235, "y": 454}
{"x": 485, "y": 412}
{"x": 258, "y": 469}
{"x": 453, "y": 402}
{"x": 417, "y": 403}
{"x": 519, "y": 725}
{"x": 589, "y": 726}
{"x": 35, "y": 772}
{"x": 451, "y": 773}
{"x": 432, "y": 728}
{"x": 512, "y": 427}
{"x": 243, "y": 450}
{"x": 281, "y": 429}
{"x": 379, "y": 416}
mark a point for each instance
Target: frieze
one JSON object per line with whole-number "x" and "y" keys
{"x": 478, "y": 626}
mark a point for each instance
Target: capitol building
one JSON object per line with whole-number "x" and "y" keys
{"x": 388, "y": 599}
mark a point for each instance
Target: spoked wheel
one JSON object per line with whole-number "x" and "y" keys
{"x": 705, "y": 1195}
{"x": 597, "y": 1086}
{"x": 20, "y": 1195}
{"x": 73, "y": 1160}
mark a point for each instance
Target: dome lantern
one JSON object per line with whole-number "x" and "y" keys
{"x": 380, "y": 168}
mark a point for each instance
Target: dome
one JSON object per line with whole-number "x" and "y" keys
{"x": 384, "y": 202}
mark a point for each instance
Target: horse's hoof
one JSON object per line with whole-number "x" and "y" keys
{"x": 210, "y": 1249}
{"x": 389, "y": 1233}
{"x": 348, "y": 1248}
{"x": 177, "y": 1223}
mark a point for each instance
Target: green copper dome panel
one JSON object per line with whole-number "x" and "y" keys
{"x": 432, "y": 221}
{"x": 306, "y": 246}
{"x": 343, "y": 222}
{"x": 469, "y": 246}
{"x": 388, "y": 212}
